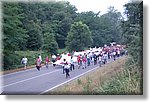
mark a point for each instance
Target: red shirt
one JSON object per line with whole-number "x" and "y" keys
{"x": 79, "y": 58}
{"x": 47, "y": 59}
{"x": 84, "y": 59}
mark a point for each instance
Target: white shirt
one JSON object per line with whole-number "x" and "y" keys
{"x": 100, "y": 58}
{"x": 40, "y": 58}
{"x": 71, "y": 61}
{"x": 114, "y": 53}
{"x": 118, "y": 52}
{"x": 25, "y": 60}
{"x": 53, "y": 56}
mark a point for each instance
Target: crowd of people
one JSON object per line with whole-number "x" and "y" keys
{"x": 93, "y": 56}
{"x": 83, "y": 59}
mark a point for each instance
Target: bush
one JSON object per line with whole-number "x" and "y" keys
{"x": 13, "y": 60}
{"x": 128, "y": 81}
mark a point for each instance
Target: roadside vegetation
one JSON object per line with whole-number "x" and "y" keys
{"x": 117, "y": 78}
{"x": 91, "y": 82}
{"x": 18, "y": 55}
{"x": 53, "y": 26}
{"x": 31, "y": 29}
{"x": 121, "y": 77}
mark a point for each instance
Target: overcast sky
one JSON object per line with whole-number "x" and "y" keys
{"x": 98, "y": 5}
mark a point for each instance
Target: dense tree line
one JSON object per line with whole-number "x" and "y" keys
{"x": 55, "y": 25}
{"x": 132, "y": 30}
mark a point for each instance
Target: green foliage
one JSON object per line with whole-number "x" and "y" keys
{"x": 35, "y": 36}
{"x": 35, "y": 26}
{"x": 14, "y": 35}
{"x": 56, "y": 25}
{"x": 104, "y": 28}
{"x": 79, "y": 37}
{"x": 60, "y": 51}
{"x": 79, "y": 81}
{"x": 128, "y": 81}
{"x": 50, "y": 43}
{"x": 15, "y": 59}
{"x": 86, "y": 87}
{"x": 133, "y": 30}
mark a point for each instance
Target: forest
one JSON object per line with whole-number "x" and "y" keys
{"x": 46, "y": 28}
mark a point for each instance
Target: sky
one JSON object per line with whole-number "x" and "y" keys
{"x": 97, "y": 5}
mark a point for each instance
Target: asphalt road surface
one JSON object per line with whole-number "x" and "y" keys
{"x": 32, "y": 81}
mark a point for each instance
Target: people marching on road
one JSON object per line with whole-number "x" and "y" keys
{"x": 81, "y": 60}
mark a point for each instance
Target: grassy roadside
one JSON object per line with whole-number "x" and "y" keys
{"x": 88, "y": 83}
{"x": 16, "y": 62}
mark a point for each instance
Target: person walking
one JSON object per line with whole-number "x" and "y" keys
{"x": 105, "y": 57}
{"x": 24, "y": 62}
{"x": 63, "y": 65}
{"x": 53, "y": 59}
{"x": 95, "y": 59}
{"x": 114, "y": 55}
{"x": 88, "y": 60}
{"x": 100, "y": 60}
{"x": 40, "y": 59}
{"x": 66, "y": 68}
{"x": 38, "y": 63}
{"x": 72, "y": 64}
{"x": 84, "y": 61}
{"x": 46, "y": 62}
{"x": 79, "y": 59}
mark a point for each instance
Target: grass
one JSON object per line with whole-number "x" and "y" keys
{"x": 123, "y": 83}
{"x": 91, "y": 82}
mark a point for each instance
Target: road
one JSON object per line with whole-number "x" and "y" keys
{"x": 32, "y": 81}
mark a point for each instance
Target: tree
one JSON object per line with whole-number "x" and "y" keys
{"x": 50, "y": 45}
{"x": 14, "y": 34}
{"x": 35, "y": 39}
{"x": 132, "y": 30}
{"x": 104, "y": 28}
{"x": 79, "y": 37}
{"x": 113, "y": 20}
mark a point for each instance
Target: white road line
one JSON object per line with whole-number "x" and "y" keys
{"x": 68, "y": 81}
{"x": 21, "y": 71}
{"x": 71, "y": 79}
{"x": 29, "y": 79}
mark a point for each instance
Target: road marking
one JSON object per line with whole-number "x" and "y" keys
{"x": 21, "y": 71}
{"x": 29, "y": 79}
{"x": 68, "y": 80}
{"x": 73, "y": 78}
